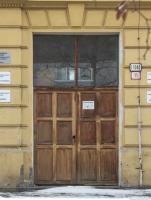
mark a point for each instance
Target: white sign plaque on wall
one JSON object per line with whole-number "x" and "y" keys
{"x": 5, "y": 58}
{"x": 148, "y": 96}
{"x": 135, "y": 67}
{"x": 5, "y": 78}
{"x": 149, "y": 77}
{"x": 4, "y": 96}
{"x": 135, "y": 75}
{"x": 88, "y": 105}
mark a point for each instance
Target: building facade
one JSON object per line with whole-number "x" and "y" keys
{"x": 93, "y": 132}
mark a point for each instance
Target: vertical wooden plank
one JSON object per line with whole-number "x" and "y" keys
{"x": 74, "y": 135}
{"x": 98, "y": 129}
{"x": 54, "y": 109}
{"x": 108, "y": 155}
{"x": 116, "y": 137}
{"x": 78, "y": 135}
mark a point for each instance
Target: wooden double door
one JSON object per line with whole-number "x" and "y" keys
{"x": 76, "y": 136}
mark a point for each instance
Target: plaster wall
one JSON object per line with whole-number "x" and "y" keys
{"x": 17, "y": 26}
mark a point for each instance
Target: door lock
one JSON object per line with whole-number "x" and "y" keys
{"x": 74, "y": 137}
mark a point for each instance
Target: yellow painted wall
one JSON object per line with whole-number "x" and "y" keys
{"x": 16, "y": 118}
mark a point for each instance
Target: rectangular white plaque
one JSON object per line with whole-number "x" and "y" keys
{"x": 5, "y": 58}
{"x": 148, "y": 96}
{"x": 5, "y": 78}
{"x": 135, "y": 67}
{"x": 149, "y": 77}
{"x": 4, "y": 96}
{"x": 88, "y": 105}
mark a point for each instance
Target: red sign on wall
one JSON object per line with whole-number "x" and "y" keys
{"x": 135, "y": 75}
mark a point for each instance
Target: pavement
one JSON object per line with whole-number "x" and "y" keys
{"x": 80, "y": 192}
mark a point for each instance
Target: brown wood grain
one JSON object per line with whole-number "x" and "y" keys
{"x": 108, "y": 132}
{"x": 44, "y": 132}
{"x": 44, "y": 102}
{"x": 107, "y": 107}
{"x": 64, "y": 132}
{"x": 45, "y": 167}
{"x": 64, "y": 105}
{"x": 64, "y": 164}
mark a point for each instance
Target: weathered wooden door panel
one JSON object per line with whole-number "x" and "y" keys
{"x": 64, "y": 165}
{"x": 88, "y": 165}
{"x": 108, "y": 165}
{"x": 44, "y": 105}
{"x": 44, "y": 160}
{"x": 76, "y": 137}
{"x": 108, "y": 132}
{"x": 87, "y": 132}
{"x": 64, "y": 105}
{"x": 87, "y": 137}
{"x": 44, "y": 132}
{"x": 64, "y": 132}
{"x": 107, "y": 104}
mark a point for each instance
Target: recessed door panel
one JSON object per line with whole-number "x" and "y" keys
{"x": 88, "y": 165}
{"x": 88, "y": 132}
{"x": 107, "y": 106}
{"x": 44, "y": 105}
{"x": 108, "y": 132}
{"x": 44, "y": 132}
{"x": 64, "y": 105}
{"x": 108, "y": 165}
{"x": 64, "y": 165}
{"x": 64, "y": 132}
{"x": 44, "y": 165}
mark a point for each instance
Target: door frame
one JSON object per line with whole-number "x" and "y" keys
{"x": 120, "y": 89}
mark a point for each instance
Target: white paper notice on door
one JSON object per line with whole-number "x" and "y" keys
{"x": 4, "y": 96}
{"x": 88, "y": 105}
{"x": 149, "y": 77}
{"x": 148, "y": 96}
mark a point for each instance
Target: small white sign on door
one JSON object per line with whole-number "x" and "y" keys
{"x": 4, "y": 96}
{"x": 148, "y": 96}
{"x": 5, "y": 78}
{"x": 149, "y": 77}
{"x": 88, "y": 105}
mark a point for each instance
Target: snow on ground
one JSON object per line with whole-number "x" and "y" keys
{"x": 80, "y": 192}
